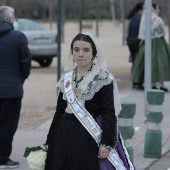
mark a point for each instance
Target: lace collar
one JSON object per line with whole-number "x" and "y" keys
{"x": 91, "y": 83}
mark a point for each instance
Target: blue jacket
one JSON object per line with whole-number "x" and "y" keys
{"x": 15, "y": 61}
{"x": 134, "y": 27}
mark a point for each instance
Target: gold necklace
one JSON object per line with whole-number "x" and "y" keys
{"x": 80, "y": 72}
{"x": 80, "y": 75}
{"x": 77, "y": 90}
{"x": 84, "y": 71}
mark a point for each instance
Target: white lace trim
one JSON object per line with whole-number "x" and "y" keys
{"x": 98, "y": 81}
{"x": 101, "y": 79}
{"x": 60, "y": 84}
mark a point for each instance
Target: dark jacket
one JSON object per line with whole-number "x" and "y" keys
{"x": 132, "y": 39}
{"x": 134, "y": 27}
{"x": 15, "y": 61}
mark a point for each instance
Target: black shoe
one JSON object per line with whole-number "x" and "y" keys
{"x": 164, "y": 89}
{"x": 133, "y": 86}
{"x": 140, "y": 87}
{"x": 9, "y": 164}
{"x": 154, "y": 87}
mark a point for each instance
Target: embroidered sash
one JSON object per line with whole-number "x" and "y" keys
{"x": 88, "y": 121}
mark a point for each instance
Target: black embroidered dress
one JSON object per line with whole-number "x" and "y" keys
{"x": 70, "y": 146}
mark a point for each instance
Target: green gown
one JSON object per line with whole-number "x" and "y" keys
{"x": 160, "y": 62}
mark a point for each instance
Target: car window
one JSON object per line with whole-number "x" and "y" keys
{"x": 29, "y": 25}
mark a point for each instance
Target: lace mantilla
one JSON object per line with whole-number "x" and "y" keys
{"x": 60, "y": 84}
{"x": 101, "y": 79}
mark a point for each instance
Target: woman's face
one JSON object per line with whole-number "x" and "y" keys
{"x": 82, "y": 53}
{"x": 157, "y": 10}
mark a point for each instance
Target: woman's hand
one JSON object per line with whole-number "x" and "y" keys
{"x": 103, "y": 152}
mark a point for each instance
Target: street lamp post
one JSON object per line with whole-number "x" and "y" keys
{"x": 148, "y": 51}
{"x": 59, "y": 39}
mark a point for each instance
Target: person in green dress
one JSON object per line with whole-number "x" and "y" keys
{"x": 133, "y": 41}
{"x": 160, "y": 53}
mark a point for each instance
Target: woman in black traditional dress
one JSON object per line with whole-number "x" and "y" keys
{"x": 83, "y": 134}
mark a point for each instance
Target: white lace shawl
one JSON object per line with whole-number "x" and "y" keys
{"x": 91, "y": 84}
{"x": 157, "y": 27}
{"x": 94, "y": 80}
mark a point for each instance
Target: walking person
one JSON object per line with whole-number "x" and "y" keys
{"x": 83, "y": 133}
{"x": 15, "y": 64}
{"x": 133, "y": 41}
{"x": 160, "y": 53}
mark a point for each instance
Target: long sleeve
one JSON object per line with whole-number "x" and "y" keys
{"x": 25, "y": 57}
{"x": 61, "y": 105}
{"x": 109, "y": 125}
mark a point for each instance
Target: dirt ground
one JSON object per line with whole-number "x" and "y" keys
{"x": 39, "y": 100}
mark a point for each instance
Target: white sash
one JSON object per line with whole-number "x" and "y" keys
{"x": 88, "y": 122}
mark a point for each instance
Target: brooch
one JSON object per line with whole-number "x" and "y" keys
{"x": 67, "y": 84}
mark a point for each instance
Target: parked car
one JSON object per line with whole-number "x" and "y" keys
{"x": 41, "y": 41}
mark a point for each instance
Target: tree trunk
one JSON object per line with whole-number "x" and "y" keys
{"x": 112, "y": 10}
{"x": 51, "y": 14}
{"x": 169, "y": 29}
{"x": 123, "y": 21}
{"x": 80, "y": 15}
{"x": 62, "y": 21}
{"x": 97, "y": 18}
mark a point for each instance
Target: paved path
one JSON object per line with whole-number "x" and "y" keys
{"x": 37, "y": 137}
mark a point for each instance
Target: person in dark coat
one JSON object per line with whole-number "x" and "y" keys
{"x": 15, "y": 64}
{"x": 133, "y": 41}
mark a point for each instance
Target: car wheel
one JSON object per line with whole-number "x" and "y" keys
{"x": 45, "y": 62}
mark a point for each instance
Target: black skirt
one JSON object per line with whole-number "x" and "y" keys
{"x": 71, "y": 147}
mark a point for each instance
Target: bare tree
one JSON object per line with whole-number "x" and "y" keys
{"x": 81, "y": 7}
{"x": 112, "y": 10}
{"x": 97, "y": 18}
{"x": 167, "y": 16}
{"x": 123, "y": 21}
{"x": 51, "y": 14}
{"x": 46, "y": 9}
{"x": 62, "y": 21}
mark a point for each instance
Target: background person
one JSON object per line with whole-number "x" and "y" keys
{"x": 160, "y": 53}
{"x": 70, "y": 144}
{"x": 15, "y": 64}
{"x": 133, "y": 41}
{"x": 15, "y": 24}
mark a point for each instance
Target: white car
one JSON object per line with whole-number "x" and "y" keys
{"x": 41, "y": 41}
